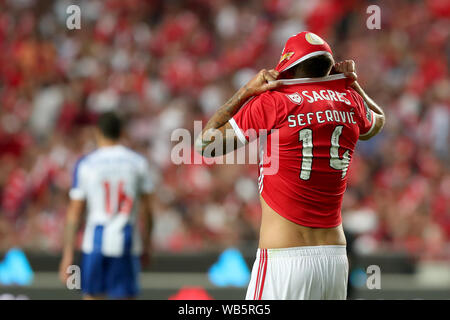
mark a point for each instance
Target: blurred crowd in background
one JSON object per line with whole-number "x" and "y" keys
{"x": 163, "y": 64}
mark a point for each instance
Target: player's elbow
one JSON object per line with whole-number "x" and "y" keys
{"x": 200, "y": 147}
{"x": 75, "y": 210}
{"x": 380, "y": 120}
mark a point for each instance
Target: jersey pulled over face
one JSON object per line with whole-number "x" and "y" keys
{"x": 317, "y": 123}
{"x": 110, "y": 180}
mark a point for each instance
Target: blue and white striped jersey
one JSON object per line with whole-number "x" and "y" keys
{"x": 111, "y": 179}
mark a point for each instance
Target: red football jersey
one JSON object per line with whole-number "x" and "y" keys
{"x": 317, "y": 123}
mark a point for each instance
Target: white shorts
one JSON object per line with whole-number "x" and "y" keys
{"x": 299, "y": 273}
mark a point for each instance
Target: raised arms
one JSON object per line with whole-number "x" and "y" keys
{"x": 218, "y": 125}
{"x": 348, "y": 68}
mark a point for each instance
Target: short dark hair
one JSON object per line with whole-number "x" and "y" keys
{"x": 317, "y": 66}
{"x": 110, "y": 125}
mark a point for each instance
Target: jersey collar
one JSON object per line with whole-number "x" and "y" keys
{"x": 312, "y": 80}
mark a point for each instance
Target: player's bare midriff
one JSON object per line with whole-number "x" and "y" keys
{"x": 278, "y": 232}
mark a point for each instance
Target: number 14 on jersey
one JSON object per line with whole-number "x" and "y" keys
{"x": 337, "y": 163}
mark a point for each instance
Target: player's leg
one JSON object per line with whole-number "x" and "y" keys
{"x": 122, "y": 277}
{"x": 284, "y": 274}
{"x": 300, "y": 273}
{"x": 259, "y": 268}
{"x": 336, "y": 274}
{"x": 92, "y": 276}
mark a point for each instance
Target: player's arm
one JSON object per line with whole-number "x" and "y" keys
{"x": 348, "y": 68}
{"x": 378, "y": 113}
{"x": 218, "y": 126}
{"x": 146, "y": 206}
{"x": 146, "y": 190}
{"x": 73, "y": 218}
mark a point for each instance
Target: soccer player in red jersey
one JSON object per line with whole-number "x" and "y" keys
{"x": 317, "y": 118}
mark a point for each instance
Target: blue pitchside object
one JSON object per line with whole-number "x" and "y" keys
{"x": 15, "y": 269}
{"x": 358, "y": 278}
{"x": 230, "y": 270}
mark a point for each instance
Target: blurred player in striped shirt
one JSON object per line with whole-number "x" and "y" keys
{"x": 111, "y": 184}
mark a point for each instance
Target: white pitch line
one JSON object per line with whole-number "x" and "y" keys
{"x": 148, "y": 280}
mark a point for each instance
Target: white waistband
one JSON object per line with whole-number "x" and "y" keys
{"x": 328, "y": 250}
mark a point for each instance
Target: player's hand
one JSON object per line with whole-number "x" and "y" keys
{"x": 146, "y": 256}
{"x": 145, "y": 259}
{"x": 264, "y": 80}
{"x": 66, "y": 261}
{"x": 347, "y": 67}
